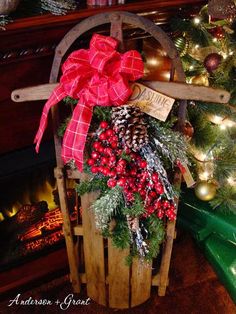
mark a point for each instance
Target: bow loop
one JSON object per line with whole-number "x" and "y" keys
{"x": 98, "y": 76}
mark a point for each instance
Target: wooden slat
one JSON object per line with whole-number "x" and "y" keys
{"x": 190, "y": 92}
{"x": 73, "y": 174}
{"x": 118, "y": 277}
{"x": 141, "y": 282}
{"x": 78, "y": 230}
{"x": 171, "y": 89}
{"x": 93, "y": 252}
{"x": 166, "y": 257}
{"x": 72, "y": 256}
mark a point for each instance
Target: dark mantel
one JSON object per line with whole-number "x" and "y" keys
{"x": 26, "y": 51}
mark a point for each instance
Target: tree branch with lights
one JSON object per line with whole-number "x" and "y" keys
{"x": 207, "y": 45}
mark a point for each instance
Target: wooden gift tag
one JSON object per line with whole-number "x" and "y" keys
{"x": 151, "y": 102}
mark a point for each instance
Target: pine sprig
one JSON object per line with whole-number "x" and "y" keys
{"x": 225, "y": 200}
{"x": 62, "y": 128}
{"x": 95, "y": 184}
{"x": 137, "y": 208}
{"x": 156, "y": 235}
{"x": 170, "y": 144}
{"x": 107, "y": 206}
{"x": 121, "y": 234}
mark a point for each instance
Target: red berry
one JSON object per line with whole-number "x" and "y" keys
{"x": 96, "y": 145}
{"x": 105, "y": 171}
{"x": 108, "y": 151}
{"x": 153, "y": 194}
{"x": 111, "y": 183}
{"x": 109, "y": 132}
{"x": 103, "y": 125}
{"x": 121, "y": 163}
{"x": 114, "y": 138}
{"x": 158, "y": 204}
{"x": 94, "y": 169}
{"x": 143, "y": 193}
{"x": 112, "y": 173}
{"x": 120, "y": 170}
{"x": 133, "y": 172}
{"x": 113, "y": 158}
{"x": 114, "y": 144}
{"x": 150, "y": 210}
{"x": 103, "y": 136}
{"x": 104, "y": 161}
{"x": 159, "y": 188}
{"x": 91, "y": 162}
{"x": 166, "y": 204}
{"x": 101, "y": 149}
{"x": 121, "y": 182}
{"x": 143, "y": 164}
{"x": 95, "y": 155}
{"x": 155, "y": 177}
{"x": 160, "y": 214}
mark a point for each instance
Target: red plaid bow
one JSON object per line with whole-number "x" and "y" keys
{"x": 98, "y": 76}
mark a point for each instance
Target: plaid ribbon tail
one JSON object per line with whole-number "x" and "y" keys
{"x": 76, "y": 133}
{"x": 57, "y": 95}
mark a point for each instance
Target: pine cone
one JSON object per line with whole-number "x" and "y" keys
{"x": 128, "y": 122}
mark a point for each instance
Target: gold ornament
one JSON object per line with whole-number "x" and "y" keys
{"x": 200, "y": 79}
{"x": 205, "y": 190}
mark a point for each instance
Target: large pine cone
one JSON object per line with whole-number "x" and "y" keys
{"x": 129, "y": 123}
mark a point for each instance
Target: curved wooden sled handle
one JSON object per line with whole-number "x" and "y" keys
{"x": 171, "y": 89}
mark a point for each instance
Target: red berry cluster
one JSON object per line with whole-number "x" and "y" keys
{"x": 133, "y": 176}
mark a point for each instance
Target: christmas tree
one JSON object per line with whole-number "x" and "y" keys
{"x": 207, "y": 45}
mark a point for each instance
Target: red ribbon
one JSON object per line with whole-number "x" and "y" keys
{"x": 98, "y": 76}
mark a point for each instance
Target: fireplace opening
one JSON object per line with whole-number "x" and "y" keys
{"x": 30, "y": 216}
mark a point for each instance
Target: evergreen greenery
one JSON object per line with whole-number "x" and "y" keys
{"x": 204, "y": 37}
{"x": 156, "y": 234}
{"x": 107, "y": 206}
{"x": 95, "y": 184}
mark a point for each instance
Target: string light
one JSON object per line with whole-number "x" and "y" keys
{"x": 204, "y": 175}
{"x": 231, "y": 181}
{"x": 196, "y": 46}
{"x": 223, "y": 127}
{"x": 214, "y": 40}
{"x": 196, "y": 20}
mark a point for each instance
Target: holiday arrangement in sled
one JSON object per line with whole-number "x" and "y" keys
{"x": 127, "y": 191}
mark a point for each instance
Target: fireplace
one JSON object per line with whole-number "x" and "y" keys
{"x": 30, "y": 217}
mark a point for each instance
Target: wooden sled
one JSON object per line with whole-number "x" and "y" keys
{"x": 111, "y": 282}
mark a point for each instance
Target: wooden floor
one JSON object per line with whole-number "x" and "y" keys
{"x": 194, "y": 288}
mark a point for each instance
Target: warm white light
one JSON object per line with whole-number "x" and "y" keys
{"x": 224, "y": 56}
{"x": 200, "y": 155}
{"x": 191, "y": 67}
{"x": 204, "y": 175}
{"x": 231, "y": 53}
{"x": 214, "y": 40}
{"x": 229, "y": 123}
{"x": 231, "y": 181}
{"x": 153, "y": 61}
{"x": 196, "y": 46}
{"x": 222, "y": 126}
{"x": 216, "y": 119}
{"x": 196, "y": 20}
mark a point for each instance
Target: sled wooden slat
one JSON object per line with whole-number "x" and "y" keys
{"x": 118, "y": 277}
{"x": 93, "y": 252}
{"x": 171, "y": 89}
{"x": 141, "y": 282}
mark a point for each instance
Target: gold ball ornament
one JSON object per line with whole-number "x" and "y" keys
{"x": 205, "y": 190}
{"x": 200, "y": 79}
